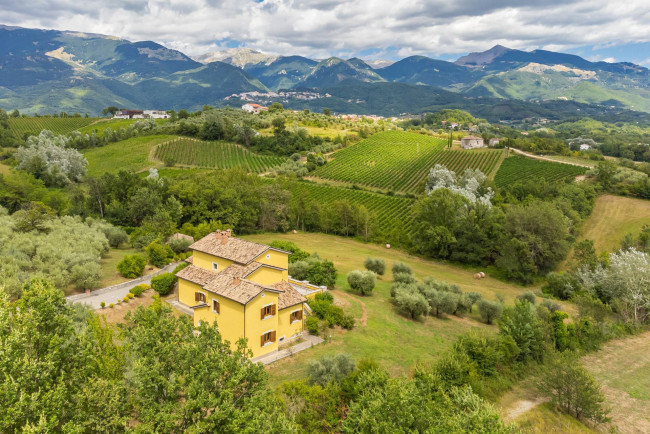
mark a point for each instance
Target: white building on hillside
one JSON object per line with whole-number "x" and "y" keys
{"x": 471, "y": 142}
{"x": 253, "y": 108}
{"x": 156, "y": 114}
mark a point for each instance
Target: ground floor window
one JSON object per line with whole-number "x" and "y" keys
{"x": 268, "y": 337}
{"x": 199, "y": 296}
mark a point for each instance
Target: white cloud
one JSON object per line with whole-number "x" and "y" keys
{"x": 320, "y": 28}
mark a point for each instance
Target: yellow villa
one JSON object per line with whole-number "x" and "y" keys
{"x": 244, "y": 287}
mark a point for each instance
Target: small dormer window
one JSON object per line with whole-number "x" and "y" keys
{"x": 268, "y": 256}
{"x": 215, "y": 267}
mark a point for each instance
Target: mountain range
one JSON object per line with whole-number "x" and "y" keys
{"x": 48, "y": 71}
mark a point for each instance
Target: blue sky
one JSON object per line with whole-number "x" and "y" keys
{"x": 371, "y": 29}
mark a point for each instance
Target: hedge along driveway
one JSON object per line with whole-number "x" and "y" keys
{"x": 110, "y": 294}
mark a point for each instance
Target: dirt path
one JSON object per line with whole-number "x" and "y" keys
{"x": 522, "y": 407}
{"x": 539, "y": 157}
{"x": 364, "y": 311}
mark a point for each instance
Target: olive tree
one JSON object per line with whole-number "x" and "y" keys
{"x": 362, "y": 281}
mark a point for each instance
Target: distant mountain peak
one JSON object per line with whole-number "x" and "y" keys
{"x": 484, "y": 57}
{"x": 239, "y": 56}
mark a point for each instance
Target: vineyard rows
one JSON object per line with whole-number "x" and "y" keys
{"x": 221, "y": 155}
{"x": 388, "y": 210}
{"x": 400, "y": 161}
{"x": 20, "y": 126}
{"x": 518, "y": 168}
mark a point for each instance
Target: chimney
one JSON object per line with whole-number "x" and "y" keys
{"x": 236, "y": 281}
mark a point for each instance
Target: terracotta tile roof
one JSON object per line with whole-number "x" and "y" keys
{"x": 236, "y": 270}
{"x": 189, "y": 259}
{"x": 221, "y": 244}
{"x": 196, "y": 275}
{"x": 236, "y": 288}
{"x": 288, "y": 296}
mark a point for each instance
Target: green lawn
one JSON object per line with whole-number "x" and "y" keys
{"x": 130, "y": 154}
{"x": 392, "y": 340}
{"x": 110, "y": 276}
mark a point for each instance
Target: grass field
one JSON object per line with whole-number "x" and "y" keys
{"x": 20, "y": 126}
{"x": 612, "y": 218}
{"x": 220, "y": 155}
{"x": 392, "y": 340}
{"x": 130, "y": 154}
{"x": 518, "y": 168}
{"x": 110, "y": 276}
{"x": 621, "y": 367}
{"x": 400, "y": 161}
{"x": 388, "y": 210}
{"x": 4, "y": 169}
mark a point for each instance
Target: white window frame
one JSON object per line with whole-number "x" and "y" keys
{"x": 215, "y": 267}
{"x": 292, "y": 312}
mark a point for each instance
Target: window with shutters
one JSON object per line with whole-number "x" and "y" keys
{"x": 295, "y": 316}
{"x": 199, "y": 297}
{"x": 215, "y": 306}
{"x": 268, "y": 311}
{"x": 268, "y": 338}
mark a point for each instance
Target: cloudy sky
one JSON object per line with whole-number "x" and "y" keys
{"x": 612, "y": 30}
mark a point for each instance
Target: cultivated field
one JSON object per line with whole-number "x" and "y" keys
{"x": 220, "y": 155}
{"x": 388, "y": 210}
{"x": 612, "y": 218}
{"x": 381, "y": 333}
{"x": 20, "y": 126}
{"x": 114, "y": 124}
{"x": 518, "y": 168}
{"x": 400, "y": 161}
{"x": 130, "y": 154}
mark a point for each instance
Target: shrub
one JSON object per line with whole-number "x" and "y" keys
{"x": 159, "y": 254}
{"x": 330, "y": 369}
{"x": 399, "y": 267}
{"x": 527, "y": 296}
{"x": 573, "y": 390}
{"x": 362, "y": 281}
{"x": 378, "y": 266}
{"x": 327, "y": 296}
{"x": 411, "y": 302}
{"x": 103, "y": 304}
{"x": 550, "y": 305}
{"x": 116, "y": 236}
{"x": 405, "y": 278}
{"x": 130, "y": 295}
{"x": 322, "y": 273}
{"x": 139, "y": 289}
{"x": 561, "y": 285}
{"x": 119, "y": 300}
{"x": 132, "y": 266}
{"x": 490, "y": 310}
{"x": 298, "y": 270}
{"x": 164, "y": 283}
{"x": 111, "y": 305}
{"x": 85, "y": 276}
{"x": 472, "y": 298}
{"x": 179, "y": 245}
{"x": 449, "y": 302}
{"x": 312, "y": 325}
{"x": 180, "y": 266}
{"x": 330, "y": 314}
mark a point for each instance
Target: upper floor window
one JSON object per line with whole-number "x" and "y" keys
{"x": 216, "y": 308}
{"x": 295, "y": 316}
{"x": 199, "y": 296}
{"x": 268, "y": 311}
{"x": 215, "y": 266}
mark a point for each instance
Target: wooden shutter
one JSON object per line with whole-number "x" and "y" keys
{"x": 216, "y": 306}
{"x": 299, "y": 314}
{"x": 197, "y": 296}
{"x": 273, "y": 310}
{"x": 262, "y": 343}
{"x": 273, "y": 336}
{"x": 262, "y": 314}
